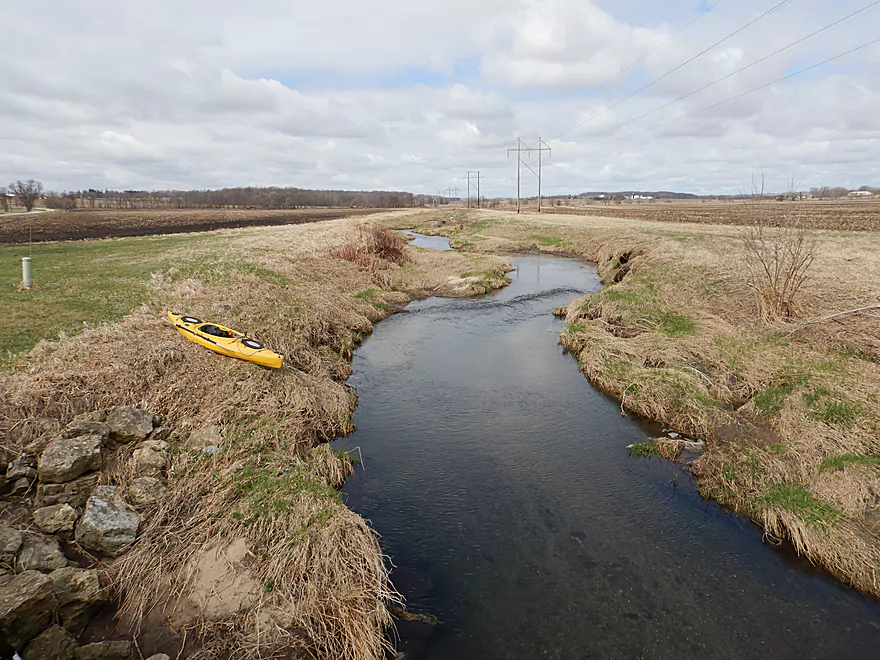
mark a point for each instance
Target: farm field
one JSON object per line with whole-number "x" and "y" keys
{"x": 80, "y": 224}
{"x": 857, "y": 215}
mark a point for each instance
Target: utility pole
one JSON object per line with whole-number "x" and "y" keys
{"x": 519, "y": 162}
{"x": 540, "y": 148}
{"x": 476, "y": 176}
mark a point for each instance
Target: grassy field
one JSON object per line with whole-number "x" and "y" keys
{"x": 81, "y": 224}
{"x": 81, "y": 284}
{"x": 855, "y": 214}
{"x": 273, "y": 487}
{"x": 790, "y": 413}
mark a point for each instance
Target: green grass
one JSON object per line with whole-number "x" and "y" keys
{"x": 549, "y": 241}
{"x": 832, "y": 409}
{"x": 843, "y": 460}
{"x": 80, "y": 284}
{"x": 770, "y": 401}
{"x": 638, "y": 298}
{"x": 575, "y": 327}
{"x": 643, "y": 449}
{"x": 799, "y": 501}
{"x": 260, "y": 492}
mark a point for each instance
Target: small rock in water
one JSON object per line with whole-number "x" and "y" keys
{"x": 673, "y": 434}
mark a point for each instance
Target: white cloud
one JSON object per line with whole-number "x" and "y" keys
{"x": 404, "y": 95}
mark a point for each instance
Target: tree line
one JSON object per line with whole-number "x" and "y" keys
{"x": 246, "y": 198}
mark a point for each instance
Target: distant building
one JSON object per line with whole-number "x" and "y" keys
{"x": 636, "y": 196}
{"x": 860, "y": 193}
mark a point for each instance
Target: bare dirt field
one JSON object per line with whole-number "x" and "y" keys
{"x": 859, "y": 215}
{"x": 80, "y": 224}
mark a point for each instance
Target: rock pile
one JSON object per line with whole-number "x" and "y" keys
{"x": 46, "y": 597}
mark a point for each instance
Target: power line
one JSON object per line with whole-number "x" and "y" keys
{"x": 740, "y": 70}
{"x": 673, "y": 70}
{"x": 751, "y": 91}
{"x": 666, "y": 41}
{"x": 473, "y": 181}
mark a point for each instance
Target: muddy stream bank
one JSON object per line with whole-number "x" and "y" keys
{"x": 500, "y": 483}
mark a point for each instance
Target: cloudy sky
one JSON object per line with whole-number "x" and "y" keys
{"x": 404, "y": 95}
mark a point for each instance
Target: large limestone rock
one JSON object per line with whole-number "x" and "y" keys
{"x": 144, "y": 491}
{"x": 75, "y": 493}
{"x": 80, "y": 427}
{"x": 10, "y": 542}
{"x": 26, "y": 604}
{"x": 116, "y": 650}
{"x": 54, "y": 643}
{"x": 68, "y": 458}
{"x": 149, "y": 459}
{"x": 129, "y": 424}
{"x": 56, "y": 519}
{"x": 40, "y": 553}
{"x": 79, "y": 594}
{"x": 108, "y": 525}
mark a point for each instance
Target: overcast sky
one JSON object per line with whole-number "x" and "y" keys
{"x": 410, "y": 95}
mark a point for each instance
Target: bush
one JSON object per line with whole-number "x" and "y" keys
{"x": 374, "y": 248}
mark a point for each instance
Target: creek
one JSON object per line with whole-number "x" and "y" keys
{"x": 499, "y": 481}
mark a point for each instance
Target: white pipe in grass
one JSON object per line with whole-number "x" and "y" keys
{"x": 27, "y": 280}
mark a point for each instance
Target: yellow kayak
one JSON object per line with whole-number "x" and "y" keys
{"x": 225, "y": 341}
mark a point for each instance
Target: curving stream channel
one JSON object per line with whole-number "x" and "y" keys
{"x": 499, "y": 481}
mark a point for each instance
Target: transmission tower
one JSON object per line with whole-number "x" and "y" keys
{"x": 473, "y": 180}
{"x": 540, "y": 147}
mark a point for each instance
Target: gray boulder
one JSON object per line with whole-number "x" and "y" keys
{"x": 144, "y": 491}
{"x": 56, "y": 519}
{"x": 26, "y": 604}
{"x": 23, "y": 467}
{"x": 40, "y": 553}
{"x": 159, "y": 656}
{"x": 54, "y": 643}
{"x": 80, "y": 427}
{"x": 129, "y": 424}
{"x": 149, "y": 459}
{"x": 116, "y": 650}
{"x": 79, "y": 594}
{"x": 75, "y": 493}
{"x": 91, "y": 416}
{"x": 108, "y": 525}
{"x": 68, "y": 458}
{"x": 10, "y": 542}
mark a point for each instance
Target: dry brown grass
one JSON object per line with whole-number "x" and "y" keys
{"x": 678, "y": 335}
{"x": 318, "y": 582}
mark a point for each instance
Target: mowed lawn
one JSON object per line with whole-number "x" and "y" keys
{"x": 79, "y": 284}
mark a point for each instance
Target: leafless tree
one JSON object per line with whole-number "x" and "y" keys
{"x": 777, "y": 262}
{"x": 758, "y": 184}
{"x": 794, "y": 187}
{"x": 28, "y": 192}
{"x": 4, "y": 200}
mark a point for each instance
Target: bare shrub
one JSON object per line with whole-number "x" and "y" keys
{"x": 374, "y": 249}
{"x": 384, "y": 243}
{"x": 777, "y": 263}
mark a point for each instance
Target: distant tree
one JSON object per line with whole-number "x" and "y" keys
{"x": 28, "y": 192}
{"x": 4, "y": 200}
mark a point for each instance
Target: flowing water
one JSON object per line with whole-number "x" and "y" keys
{"x": 501, "y": 486}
